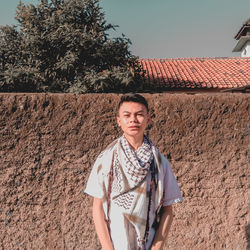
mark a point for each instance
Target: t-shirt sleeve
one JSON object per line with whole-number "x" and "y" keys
{"x": 95, "y": 184}
{"x": 172, "y": 193}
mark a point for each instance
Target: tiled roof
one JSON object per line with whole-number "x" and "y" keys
{"x": 197, "y": 72}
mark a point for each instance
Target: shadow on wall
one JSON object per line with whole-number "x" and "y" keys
{"x": 248, "y": 236}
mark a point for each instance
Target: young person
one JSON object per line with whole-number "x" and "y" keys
{"x": 133, "y": 185}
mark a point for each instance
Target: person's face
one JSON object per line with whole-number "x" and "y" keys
{"x": 133, "y": 118}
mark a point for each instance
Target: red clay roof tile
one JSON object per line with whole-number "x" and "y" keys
{"x": 229, "y": 72}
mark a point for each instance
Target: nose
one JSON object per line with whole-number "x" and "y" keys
{"x": 133, "y": 119}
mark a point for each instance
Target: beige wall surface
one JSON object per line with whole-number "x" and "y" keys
{"x": 48, "y": 144}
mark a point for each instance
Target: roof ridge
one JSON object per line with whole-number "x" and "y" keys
{"x": 195, "y": 58}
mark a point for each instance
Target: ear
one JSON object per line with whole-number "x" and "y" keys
{"x": 118, "y": 119}
{"x": 148, "y": 118}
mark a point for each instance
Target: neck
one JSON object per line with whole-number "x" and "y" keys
{"x": 134, "y": 142}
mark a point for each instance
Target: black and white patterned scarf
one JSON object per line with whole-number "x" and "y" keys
{"x": 130, "y": 186}
{"x": 131, "y": 183}
{"x": 131, "y": 167}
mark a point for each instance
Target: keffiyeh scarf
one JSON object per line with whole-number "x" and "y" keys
{"x": 135, "y": 166}
{"x": 132, "y": 184}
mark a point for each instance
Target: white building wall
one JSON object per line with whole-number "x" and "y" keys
{"x": 245, "y": 52}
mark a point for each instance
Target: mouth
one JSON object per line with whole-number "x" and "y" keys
{"x": 134, "y": 127}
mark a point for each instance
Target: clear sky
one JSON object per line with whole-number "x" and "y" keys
{"x": 169, "y": 28}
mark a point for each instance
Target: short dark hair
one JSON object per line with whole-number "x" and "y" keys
{"x": 132, "y": 97}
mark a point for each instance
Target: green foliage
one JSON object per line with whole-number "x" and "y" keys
{"x": 64, "y": 46}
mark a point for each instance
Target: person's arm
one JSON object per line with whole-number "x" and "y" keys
{"x": 163, "y": 229}
{"x": 101, "y": 225}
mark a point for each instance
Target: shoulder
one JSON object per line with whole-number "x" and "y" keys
{"x": 161, "y": 161}
{"x": 105, "y": 158}
{"x": 109, "y": 150}
{"x": 164, "y": 160}
{"x": 165, "y": 164}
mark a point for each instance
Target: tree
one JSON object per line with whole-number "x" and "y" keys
{"x": 64, "y": 46}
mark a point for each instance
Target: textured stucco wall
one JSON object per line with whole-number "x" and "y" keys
{"x": 48, "y": 143}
